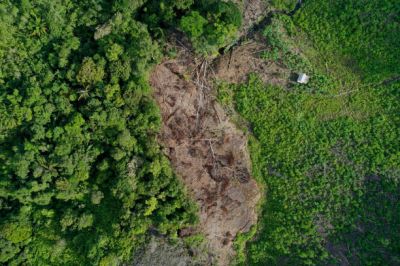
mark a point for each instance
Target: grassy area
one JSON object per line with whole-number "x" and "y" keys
{"x": 364, "y": 34}
{"x": 320, "y": 174}
{"x": 328, "y": 153}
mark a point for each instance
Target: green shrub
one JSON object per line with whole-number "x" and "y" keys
{"x": 285, "y": 5}
{"x": 209, "y": 24}
{"x": 193, "y": 25}
{"x": 165, "y": 12}
{"x": 213, "y": 25}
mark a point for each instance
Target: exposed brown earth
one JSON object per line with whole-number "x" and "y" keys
{"x": 235, "y": 66}
{"x": 160, "y": 252}
{"x": 253, "y": 11}
{"x": 205, "y": 148}
{"x": 207, "y": 151}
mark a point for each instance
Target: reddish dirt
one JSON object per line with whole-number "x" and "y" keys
{"x": 207, "y": 151}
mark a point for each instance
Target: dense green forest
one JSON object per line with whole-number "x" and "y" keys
{"x": 328, "y": 152}
{"x": 82, "y": 178}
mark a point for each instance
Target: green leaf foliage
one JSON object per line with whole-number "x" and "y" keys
{"x": 82, "y": 178}
{"x": 284, "y": 5}
{"x": 328, "y": 153}
{"x": 367, "y": 32}
{"x": 330, "y": 183}
{"x": 209, "y": 24}
{"x": 214, "y": 26}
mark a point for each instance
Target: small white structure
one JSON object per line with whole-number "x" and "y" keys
{"x": 303, "y": 78}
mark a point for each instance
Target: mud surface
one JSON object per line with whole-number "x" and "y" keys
{"x": 207, "y": 151}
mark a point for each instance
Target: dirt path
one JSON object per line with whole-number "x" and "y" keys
{"x": 207, "y": 151}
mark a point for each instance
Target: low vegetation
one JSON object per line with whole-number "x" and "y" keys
{"x": 332, "y": 184}
{"x": 328, "y": 152}
{"x": 363, "y": 34}
{"x": 284, "y": 5}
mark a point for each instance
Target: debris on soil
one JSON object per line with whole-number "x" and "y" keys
{"x": 207, "y": 151}
{"x": 253, "y": 11}
{"x": 160, "y": 252}
{"x": 238, "y": 63}
{"x": 205, "y": 148}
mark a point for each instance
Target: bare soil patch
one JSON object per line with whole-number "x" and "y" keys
{"x": 205, "y": 148}
{"x": 207, "y": 151}
{"x": 236, "y": 65}
{"x": 160, "y": 252}
{"x": 253, "y": 11}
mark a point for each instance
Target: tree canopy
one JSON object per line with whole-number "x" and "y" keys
{"x": 82, "y": 177}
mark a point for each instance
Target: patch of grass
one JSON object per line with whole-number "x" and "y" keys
{"x": 315, "y": 171}
{"x": 328, "y": 153}
{"x": 284, "y": 5}
{"x": 194, "y": 241}
{"x": 240, "y": 246}
{"x": 364, "y": 34}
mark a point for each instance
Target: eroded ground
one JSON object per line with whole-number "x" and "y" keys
{"x": 253, "y": 11}
{"x": 240, "y": 61}
{"x": 205, "y": 148}
{"x": 160, "y": 252}
{"x": 207, "y": 151}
